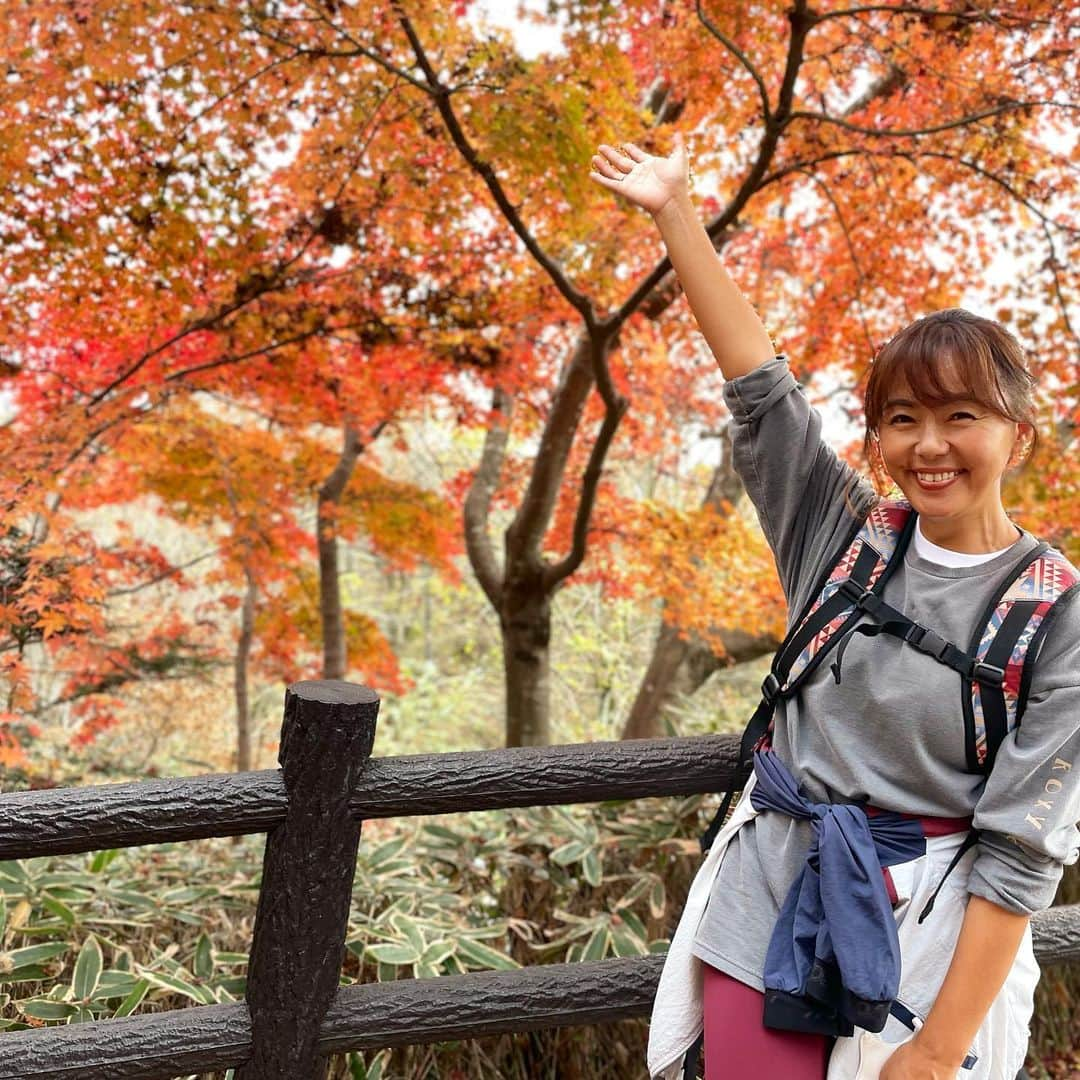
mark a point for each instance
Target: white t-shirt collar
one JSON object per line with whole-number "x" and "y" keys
{"x": 925, "y": 549}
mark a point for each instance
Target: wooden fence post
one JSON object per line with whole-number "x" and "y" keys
{"x": 308, "y": 869}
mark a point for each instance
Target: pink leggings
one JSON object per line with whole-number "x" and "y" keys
{"x": 736, "y": 1043}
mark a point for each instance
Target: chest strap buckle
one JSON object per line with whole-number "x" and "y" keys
{"x": 988, "y": 674}
{"x": 927, "y": 641}
{"x": 865, "y": 599}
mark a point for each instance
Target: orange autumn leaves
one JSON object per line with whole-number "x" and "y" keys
{"x": 711, "y": 568}
{"x": 229, "y": 233}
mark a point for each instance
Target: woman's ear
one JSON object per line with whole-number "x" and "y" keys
{"x": 1025, "y": 440}
{"x": 883, "y": 482}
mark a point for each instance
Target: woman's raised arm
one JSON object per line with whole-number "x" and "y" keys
{"x": 659, "y": 185}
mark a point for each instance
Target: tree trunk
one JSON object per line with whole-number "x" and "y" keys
{"x": 679, "y": 668}
{"x": 335, "y": 653}
{"x": 524, "y": 616}
{"x": 240, "y": 675}
{"x": 526, "y": 635}
{"x": 520, "y": 590}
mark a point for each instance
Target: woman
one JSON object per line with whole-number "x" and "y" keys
{"x": 949, "y": 411}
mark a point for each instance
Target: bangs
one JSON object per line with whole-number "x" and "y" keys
{"x": 939, "y": 362}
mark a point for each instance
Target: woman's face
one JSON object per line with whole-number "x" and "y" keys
{"x": 948, "y": 459}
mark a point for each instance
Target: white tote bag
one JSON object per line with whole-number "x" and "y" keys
{"x": 926, "y": 949}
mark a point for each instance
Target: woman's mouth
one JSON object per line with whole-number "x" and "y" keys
{"x": 936, "y": 480}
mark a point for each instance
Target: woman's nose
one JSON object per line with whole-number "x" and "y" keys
{"x": 931, "y": 441}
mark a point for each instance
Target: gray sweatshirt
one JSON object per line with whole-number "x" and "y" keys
{"x": 892, "y": 731}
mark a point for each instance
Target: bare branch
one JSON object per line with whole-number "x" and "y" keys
{"x": 358, "y": 48}
{"x": 234, "y": 89}
{"x": 265, "y": 282}
{"x": 440, "y": 94}
{"x": 186, "y": 667}
{"x": 1054, "y": 265}
{"x": 859, "y": 276}
{"x": 720, "y": 227}
{"x": 590, "y": 481}
{"x": 264, "y": 350}
{"x": 891, "y": 80}
{"x": 527, "y": 530}
{"x": 871, "y": 155}
{"x": 802, "y": 22}
{"x": 914, "y": 9}
{"x": 92, "y": 436}
{"x": 165, "y": 574}
{"x": 993, "y": 178}
{"x": 725, "y": 484}
{"x": 832, "y": 155}
{"x": 910, "y": 133}
{"x": 739, "y": 55}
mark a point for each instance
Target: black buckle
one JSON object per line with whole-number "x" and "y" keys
{"x": 869, "y": 601}
{"x": 865, "y": 599}
{"x": 989, "y": 674}
{"x": 852, "y": 589}
{"x": 770, "y": 688}
{"x": 926, "y": 640}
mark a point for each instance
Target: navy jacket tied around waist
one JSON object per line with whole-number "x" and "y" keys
{"x": 833, "y": 962}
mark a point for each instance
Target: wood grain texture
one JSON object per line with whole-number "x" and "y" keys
{"x": 152, "y": 1047}
{"x": 545, "y": 776}
{"x": 308, "y": 870}
{"x": 376, "y": 1015}
{"x": 412, "y": 1011}
{"x": 70, "y": 820}
{"x": 64, "y": 821}
{"x": 1056, "y": 934}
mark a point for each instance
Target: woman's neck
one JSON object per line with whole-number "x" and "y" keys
{"x": 973, "y": 538}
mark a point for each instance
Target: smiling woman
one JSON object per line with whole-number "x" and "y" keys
{"x": 949, "y": 410}
{"x": 811, "y": 945}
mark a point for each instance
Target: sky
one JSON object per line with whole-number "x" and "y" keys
{"x": 533, "y": 38}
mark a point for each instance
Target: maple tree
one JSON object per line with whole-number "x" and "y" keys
{"x": 833, "y": 193}
{"x": 326, "y": 213}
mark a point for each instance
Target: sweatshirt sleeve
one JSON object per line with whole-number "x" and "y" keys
{"x": 806, "y": 498}
{"x": 1028, "y": 812}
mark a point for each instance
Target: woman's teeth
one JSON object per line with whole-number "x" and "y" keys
{"x": 936, "y": 477}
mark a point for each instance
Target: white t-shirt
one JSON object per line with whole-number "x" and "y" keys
{"x": 946, "y": 557}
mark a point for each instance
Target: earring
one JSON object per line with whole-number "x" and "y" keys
{"x": 882, "y": 480}
{"x": 1020, "y": 453}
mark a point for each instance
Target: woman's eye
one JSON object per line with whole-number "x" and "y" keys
{"x": 900, "y": 418}
{"x": 962, "y": 415}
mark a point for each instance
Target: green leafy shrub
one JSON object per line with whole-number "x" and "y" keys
{"x": 86, "y": 937}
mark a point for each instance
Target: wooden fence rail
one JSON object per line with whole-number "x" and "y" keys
{"x": 66, "y": 821}
{"x": 295, "y": 1013}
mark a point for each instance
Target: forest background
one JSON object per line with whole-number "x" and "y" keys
{"x": 322, "y": 356}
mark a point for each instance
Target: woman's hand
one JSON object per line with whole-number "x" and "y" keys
{"x": 910, "y": 1062}
{"x": 643, "y": 179}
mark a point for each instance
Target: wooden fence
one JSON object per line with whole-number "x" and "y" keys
{"x": 295, "y": 1012}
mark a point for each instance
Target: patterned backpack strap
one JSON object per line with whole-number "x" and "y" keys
{"x": 872, "y": 551}
{"x": 864, "y": 567}
{"x": 1007, "y": 643}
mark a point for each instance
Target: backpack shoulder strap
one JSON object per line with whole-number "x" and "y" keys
{"x": 864, "y": 566}
{"x": 873, "y": 549}
{"x": 1007, "y": 641}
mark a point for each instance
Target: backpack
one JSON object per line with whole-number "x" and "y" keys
{"x": 995, "y": 668}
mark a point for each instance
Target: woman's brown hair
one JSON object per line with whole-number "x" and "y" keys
{"x": 953, "y": 346}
